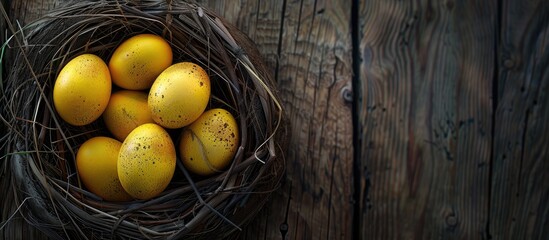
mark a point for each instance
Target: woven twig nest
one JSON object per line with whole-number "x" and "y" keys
{"x": 41, "y": 147}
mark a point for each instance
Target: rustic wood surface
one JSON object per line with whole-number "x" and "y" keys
{"x": 426, "y": 81}
{"x": 409, "y": 120}
{"x": 520, "y": 184}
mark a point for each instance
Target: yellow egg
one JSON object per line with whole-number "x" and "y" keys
{"x": 179, "y": 95}
{"x": 146, "y": 162}
{"x": 137, "y": 61}
{"x": 209, "y": 144}
{"x": 82, "y": 90}
{"x": 96, "y": 162}
{"x": 126, "y": 110}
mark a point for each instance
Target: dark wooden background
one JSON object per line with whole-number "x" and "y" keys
{"x": 410, "y": 119}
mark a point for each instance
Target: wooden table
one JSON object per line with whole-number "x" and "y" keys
{"x": 409, "y": 119}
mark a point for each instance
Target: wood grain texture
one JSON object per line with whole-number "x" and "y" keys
{"x": 308, "y": 46}
{"x": 4, "y": 184}
{"x": 3, "y": 22}
{"x": 23, "y": 12}
{"x": 520, "y": 186}
{"x": 427, "y": 71}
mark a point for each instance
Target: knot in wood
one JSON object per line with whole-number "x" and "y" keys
{"x": 347, "y": 94}
{"x": 451, "y": 220}
{"x": 283, "y": 228}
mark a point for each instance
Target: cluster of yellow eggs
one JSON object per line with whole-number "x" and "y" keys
{"x": 138, "y": 161}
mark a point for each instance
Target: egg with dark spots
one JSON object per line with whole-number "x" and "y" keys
{"x": 206, "y": 149}
{"x": 82, "y": 90}
{"x": 137, "y": 61}
{"x": 179, "y": 95}
{"x": 126, "y": 110}
{"x": 146, "y": 162}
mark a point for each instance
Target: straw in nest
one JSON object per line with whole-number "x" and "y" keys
{"x": 41, "y": 147}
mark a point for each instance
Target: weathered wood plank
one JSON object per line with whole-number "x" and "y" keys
{"x": 520, "y": 185}
{"x": 5, "y": 205}
{"x": 427, "y": 71}
{"x": 308, "y": 46}
{"x": 3, "y": 23}
{"x": 23, "y": 12}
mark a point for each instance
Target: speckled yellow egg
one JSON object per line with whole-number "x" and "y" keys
{"x": 96, "y": 163}
{"x": 136, "y": 62}
{"x": 179, "y": 95}
{"x": 126, "y": 110}
{"x": 82, "y": 90}
{"x": 146, "y": 162}
{"x": 209, "y": 144}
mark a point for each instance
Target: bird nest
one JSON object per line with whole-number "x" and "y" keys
{"x": 40, "y": 147}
